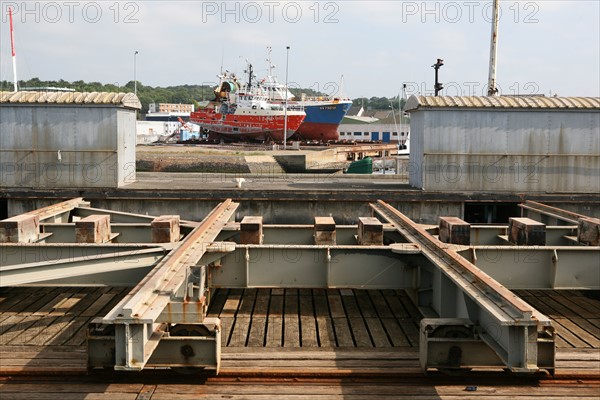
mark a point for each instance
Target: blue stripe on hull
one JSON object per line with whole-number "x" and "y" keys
{"x": 329, "y": 113}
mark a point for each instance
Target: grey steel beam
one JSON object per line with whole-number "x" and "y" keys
{"x": 59, "y": 212}
{"x": 489, "y": 235}
{"x": 539, "y": 267}
{"x": 189, "y": 351}
{"x": 136, "y": 318}
{"x": 458, "y": 289}
{"x": 113, "y": 278}
{"x": 62, "y": 270}
{"x": 304, "y": 234}
{"x": 124, "y": 217}
{"x": 312, "y": 266}
{"x": 548, "y": 214}
{"x": 57, "y": 253}
{"x": 127, "y": 232}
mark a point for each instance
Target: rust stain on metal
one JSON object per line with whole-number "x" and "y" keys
{"x": 477, "y": 274}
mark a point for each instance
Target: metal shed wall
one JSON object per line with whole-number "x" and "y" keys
{"x": 505, "y": 150}
{"x": 96, "y": 144}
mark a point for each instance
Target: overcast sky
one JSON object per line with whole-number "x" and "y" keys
{"x": 548, "y": 46}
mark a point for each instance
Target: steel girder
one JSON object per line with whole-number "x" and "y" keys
{"x": 124, "y": 217}
{"x": 176, "y": 282}
{"x": 59, "y": 212}
{"x": 455, "y": 288}
{"x": 311, "y": 266}
{"x": 465, "y": 285}
{"x": 77, "y": 264}
{"x": 56, "y": 259}
{"x": 538, "y": 267}
{"x": 548, "y": 214}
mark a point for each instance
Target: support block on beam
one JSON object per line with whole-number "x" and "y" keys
{"x": 251, "y": 230}
{"x": 93, "y": 229}
{"x": 526, "y": 232}
{"x": 588, "y": 231}
{"x": 165, "y": 229}
{"x": 370, "y": 231}
{"x": 455, "y": 230}
{"x": 24, "y": 228}
{"x": 324, "y": 232}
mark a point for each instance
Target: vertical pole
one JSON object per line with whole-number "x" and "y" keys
{"x": 438, "y": 86}
{"x": 285, "y": 121}
{"x": 135, "y": 72}
{"x": 12, "y": 45}
{"x": 492, "y": 90}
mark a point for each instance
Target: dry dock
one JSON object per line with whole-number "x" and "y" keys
{"x": 472, "y": 273}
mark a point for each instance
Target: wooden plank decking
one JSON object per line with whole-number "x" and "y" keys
{"x": 302, "y": 333}
{"x": 316, "y": 318}
{"x": 291, "y": 391}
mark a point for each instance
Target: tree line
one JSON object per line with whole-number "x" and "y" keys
{"x": 186, "y": 94}
{"x": 379, "y": 103}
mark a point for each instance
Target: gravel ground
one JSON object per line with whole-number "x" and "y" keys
{"x": 191, "y": 159}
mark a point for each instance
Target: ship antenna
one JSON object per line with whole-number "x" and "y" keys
{"x": 249, "y": 71}
{"x": 250, "y": 76}
{"x": 222, "y": 57}
{"x": 269, "y": 62}
{"x": 12, "y": 45}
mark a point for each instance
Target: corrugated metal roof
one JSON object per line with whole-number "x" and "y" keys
{"x": 128, "y": 100}
{"x": 529, "y": 102}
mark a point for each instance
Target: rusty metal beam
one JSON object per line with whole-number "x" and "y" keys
{"x": 175, "y": 278}
{"x": 456, "y": 288}
{"x": 59, "y": 212}
{"x": 548, "y": 214}
{"x": 125, "y": 217}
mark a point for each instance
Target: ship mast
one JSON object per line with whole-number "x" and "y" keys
{"x": 12, "y": 45}
{"x": 270, "y": 62}
{"x": 250, "y": 73}
{"x": 492, "y": 89}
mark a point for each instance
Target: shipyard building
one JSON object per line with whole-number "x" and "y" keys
{"x": 505, "y": 144}
{"x": 67, "y": 140}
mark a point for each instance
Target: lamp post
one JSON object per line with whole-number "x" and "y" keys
{"x": 285, "y": 121}
{"x": 134, "y": 72}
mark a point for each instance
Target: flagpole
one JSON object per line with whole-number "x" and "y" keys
{"x": 12, "y": 45}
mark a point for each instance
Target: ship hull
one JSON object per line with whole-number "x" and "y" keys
{"x": 322, "y": 120}
{"x": 256, "y": 125}
{"x": 317, "y": 131}
{"x": 259, "y": 135}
